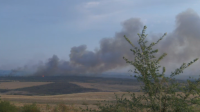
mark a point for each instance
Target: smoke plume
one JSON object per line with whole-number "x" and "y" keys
{"x": 107, "y": 57}
{"x": 181, "y": 45}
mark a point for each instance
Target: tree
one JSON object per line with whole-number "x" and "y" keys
{"x": 160, "y": 92}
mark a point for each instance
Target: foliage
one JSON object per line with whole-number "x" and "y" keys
{"x": 64, "y": 108}
{"x": 160, "y": 92}
{"x": 84, "y": 103}
{"x": 6, "y": 106}
{"x": 30, "y": 108}
{"x": 48, "y": 107}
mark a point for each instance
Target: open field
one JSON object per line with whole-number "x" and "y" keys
{"x": 75, "y": 100}
{"x": 65, "y": 85}
{"x": 76, "y": 91}
{"x": 17, "y": 84}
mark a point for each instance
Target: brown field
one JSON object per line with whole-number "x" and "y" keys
{"x": 75, "y": 100}
{"x": 17, "y": 84}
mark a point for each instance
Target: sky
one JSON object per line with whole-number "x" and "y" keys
{"x": 86, "y": 36}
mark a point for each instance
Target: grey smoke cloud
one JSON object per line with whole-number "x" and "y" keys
{"x": 107, "y": 57}
{"x": 181, "y": 45}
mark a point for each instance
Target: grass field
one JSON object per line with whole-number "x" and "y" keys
{"x": 92, "y": 90}
{"x": 89, "y": 99}
{"x": 78, "y": 92}
{"x": 17, "y": 84}
{"x": 74, "y": 100}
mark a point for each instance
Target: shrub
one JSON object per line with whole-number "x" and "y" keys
{"x": 84, "y": 103}
{"x": 61, "y": 107}
{"x": 6, "y": 106}
{"x": 48, "y": 107}
{"x": 160, "y": 92}
{"x": 30, "y": 108}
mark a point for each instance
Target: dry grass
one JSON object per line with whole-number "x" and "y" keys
{"x": 89, "y": 99}
{"x": 77, "y": 100}
{"x": 71, "y": 100}
{"x": 16, "y": 85}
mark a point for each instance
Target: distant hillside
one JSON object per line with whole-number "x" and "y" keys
{"x": 103, "y": 75}
{"x": 4, "y": 72}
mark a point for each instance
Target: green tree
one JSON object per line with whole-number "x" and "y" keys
{"x": 160, "y": 92}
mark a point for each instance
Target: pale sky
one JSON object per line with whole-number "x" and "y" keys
{"x": 32, "y": 31}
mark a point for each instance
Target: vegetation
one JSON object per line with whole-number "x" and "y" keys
{"x": 61, "y": 107}
{"x": 6, "y": 106}
{"x": 30, "y": 108}
{"x": 160, "y": 92}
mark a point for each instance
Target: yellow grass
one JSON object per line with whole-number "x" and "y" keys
{"x": 68, "y": 98}
{"x": 76, "y": 100}
{"x": 16, "y": 85}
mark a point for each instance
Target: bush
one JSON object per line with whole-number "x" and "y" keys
{"x": 30, "y": 108}
{"x": 84, "y": 103}
{"x": 61, "y": 107}
{"x": 6, "y": 106}
{"x": 160, "y": 92}
{"x": 48, "y": 107}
